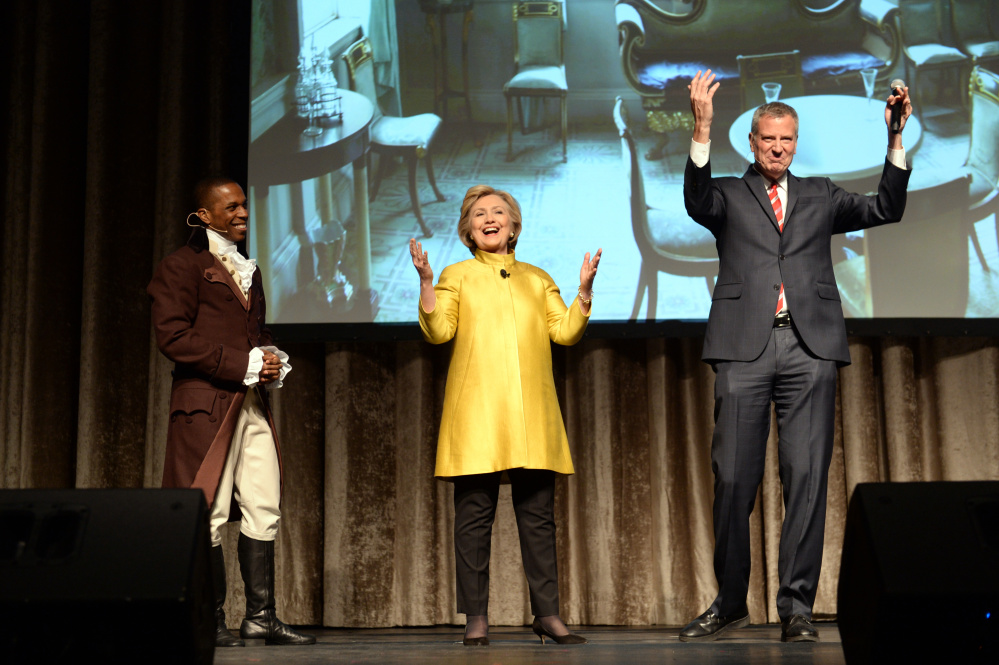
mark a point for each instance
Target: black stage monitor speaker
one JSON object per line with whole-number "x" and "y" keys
{"x": 105, "y": 576}
{"x": 919, "y": 580}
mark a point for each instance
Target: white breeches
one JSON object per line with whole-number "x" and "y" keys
{"x": 252, "y": 469}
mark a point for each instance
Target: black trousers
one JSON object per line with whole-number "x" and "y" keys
{"x": 475, "y": 499}
{"x": 802, "y": 388}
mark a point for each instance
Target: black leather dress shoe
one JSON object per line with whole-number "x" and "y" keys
{"x": 798, "y": 629}
{"x": 710, "y": 626}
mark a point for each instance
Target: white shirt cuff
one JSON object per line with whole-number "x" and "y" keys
{"x": 897, "y": 157}
{"x": 257, "y": 363}
{"x": 699, "y": 152}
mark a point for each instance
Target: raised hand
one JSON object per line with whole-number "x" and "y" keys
{"x": 702, "y": 92}
{"x": 902, "y": 99}
{"x": 421, "y": 262}
{"x": 428, "y": 298}
{"x": 588, "y": 272}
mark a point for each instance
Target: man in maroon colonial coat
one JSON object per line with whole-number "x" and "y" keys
{"x": 208, "y": 316}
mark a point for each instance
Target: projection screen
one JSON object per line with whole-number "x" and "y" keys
{"x": 332, "y": 202}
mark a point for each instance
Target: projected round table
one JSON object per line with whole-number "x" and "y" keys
{"x": 283, "y": 155}
{"x": 839, "y": 136}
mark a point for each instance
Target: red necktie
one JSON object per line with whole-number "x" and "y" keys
{"x": 779, "y": 212}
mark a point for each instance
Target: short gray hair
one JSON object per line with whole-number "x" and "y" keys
{"x": 773, "y": 110}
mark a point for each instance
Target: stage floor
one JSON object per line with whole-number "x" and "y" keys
{"x": 519, "y": 646}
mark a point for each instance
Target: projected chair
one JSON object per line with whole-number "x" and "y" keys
{"x": 540, "y": 69}
{"x": 923, "y": 44}
{"x": 668, "y": 240}
{"x": 409, "y": 138}
{"x": 982, "y": 165}
{"x": 919, "y": 267}
{"x": 755, "y": 70}
{"x": 970, "y": 21}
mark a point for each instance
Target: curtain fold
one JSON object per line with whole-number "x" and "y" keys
{"x": 112, "y": 414}
{"x": 44, "y": 207}
{"x": 116, "y": 108}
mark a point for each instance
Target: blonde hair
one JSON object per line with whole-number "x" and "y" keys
{"x": 465, "y": 223}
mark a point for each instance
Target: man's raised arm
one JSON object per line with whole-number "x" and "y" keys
{"x": 702, "y": 92}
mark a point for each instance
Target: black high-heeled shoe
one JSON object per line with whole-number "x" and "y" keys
{"x": 540, "y": 631}
{"x": 478, "y": 623}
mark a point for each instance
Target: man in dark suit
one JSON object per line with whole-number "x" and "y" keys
{"x": 776, "y": 334}
{"x": 208, "y": 316}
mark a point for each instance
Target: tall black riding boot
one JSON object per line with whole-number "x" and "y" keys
{"x": 256, "y": 563}
{"x": 223, "y": 638}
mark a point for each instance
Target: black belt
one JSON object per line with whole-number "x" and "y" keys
{"x": 782, "y": 320}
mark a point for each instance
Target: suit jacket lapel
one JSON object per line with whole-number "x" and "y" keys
{"x": 758, "y": 186}
{"x": 218, "y": 273}
{"x": 792, "y": 196}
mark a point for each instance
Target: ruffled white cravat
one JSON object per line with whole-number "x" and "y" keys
{"x": 243, "y": 265}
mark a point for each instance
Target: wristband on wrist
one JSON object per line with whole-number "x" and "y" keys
{"x": 585, "y": 301}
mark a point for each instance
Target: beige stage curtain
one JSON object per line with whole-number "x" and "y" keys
{"x": 367, "y": 537}
{"x": 116, "y": 108}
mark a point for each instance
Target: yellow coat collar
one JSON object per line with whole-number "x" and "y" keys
{"x": 495, "y": 260}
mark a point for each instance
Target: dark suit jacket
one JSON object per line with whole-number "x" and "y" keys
{"x": 203, "y": 324}
{"x": 755, "y": 257}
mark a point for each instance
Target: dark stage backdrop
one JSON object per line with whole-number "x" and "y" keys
{"x": 114, "y": 108}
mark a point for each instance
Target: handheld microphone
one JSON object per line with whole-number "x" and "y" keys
{"x": 896, "y": 108}
{"x": 503, "y": 273}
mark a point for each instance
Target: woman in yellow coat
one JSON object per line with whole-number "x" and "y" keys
{"x": 501, "y": 414}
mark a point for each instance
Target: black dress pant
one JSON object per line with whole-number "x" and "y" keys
{"x": 475, "y": 499}
{"x": 802, "y": 388}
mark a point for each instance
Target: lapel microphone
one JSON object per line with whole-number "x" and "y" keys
{"x": 503, "y": 273}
